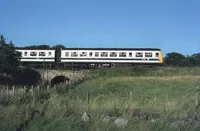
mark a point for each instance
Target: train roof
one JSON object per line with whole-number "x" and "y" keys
{"x": 144, "y": 49}
{"x": 34, "y": 49}
{"x": 148, "y": 49}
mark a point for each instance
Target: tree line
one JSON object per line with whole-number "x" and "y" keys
{"x": 178, "y": 59}
{"x": 10, "y": 58}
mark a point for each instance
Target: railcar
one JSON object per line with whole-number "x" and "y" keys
{"x": 92, "y": 56}
{"x": 111, "y": 56}
{"x": 29, "y": 55}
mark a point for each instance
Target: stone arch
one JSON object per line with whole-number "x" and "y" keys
{"x": 59, "y": 80}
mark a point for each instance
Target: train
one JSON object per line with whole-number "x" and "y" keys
{"x": 92, "y": 56}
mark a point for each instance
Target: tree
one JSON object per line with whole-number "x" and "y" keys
{"x": 175, "y": 59}
{"x": 2, "y": 40}
{"x": 196, "y": 58}
{"x": 189, "y": 61}
{"x": 36, "y": 47}
{"x": 58, "y": 46}
{"x": 9, "y": 58}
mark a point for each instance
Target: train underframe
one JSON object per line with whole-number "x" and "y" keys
{"x": 78, "y": 65}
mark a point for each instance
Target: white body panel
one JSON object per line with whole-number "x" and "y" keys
{"x": 37, "y": 55}
{"x": 37, "y": 60}
{"x": 112, "y": 61}
{"x": 92, "y": 58}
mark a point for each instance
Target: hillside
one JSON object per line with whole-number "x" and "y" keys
{"x": 141, "y": 99}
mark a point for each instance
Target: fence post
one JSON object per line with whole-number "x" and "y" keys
{"x": 34, "y": 97}
{"x": 131, "y": 96}
{"x": 87, "y": 99}
{"x": 24, "y": 90}
{"x": 20, "y": 92}
{"x": 13, "y": 89}
{"x": 197, "y": 97}
{"x": 7, "y": 91}
{"x": 47, "y": 88}
{"x": 69, "y": 84}
{"x": 54, "y": 88}
{"x": 1, "y": 91}
{"x": 38, "y": 89}
{"x": 32, "y": 92}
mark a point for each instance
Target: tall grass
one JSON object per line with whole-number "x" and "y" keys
{"x": 163, "y": 93}
{"x": 154, "y": 71}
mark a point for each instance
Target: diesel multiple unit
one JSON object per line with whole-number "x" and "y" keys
{"x": 94, "y": 55}
{"x": 28, "y": 55}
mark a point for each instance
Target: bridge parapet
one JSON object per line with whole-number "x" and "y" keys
{"x": 72, "y": 76}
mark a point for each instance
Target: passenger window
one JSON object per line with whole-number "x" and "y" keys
{"x": 42, "y": 53}
{"x": 104, "y": 54}
{"x": 122, "y": 54}
{"x": 139, "y": 54}
{"x": 83, "y": 54}
{"x": 66, "y": 54}
{"x": 33, "y": 54}
{"x": 96, "y": 54}
{"x": 113, "y": 54}
{"x": 130, "y": 54}
{"x": 157, "y": 54}
{"x": 148, "y": 54}
{"x": 90, "y": 54}
{"x": 74, "y": 54}
{"x": 25, "y": 53}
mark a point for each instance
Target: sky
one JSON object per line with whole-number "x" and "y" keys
{"x": 171, "y": 25}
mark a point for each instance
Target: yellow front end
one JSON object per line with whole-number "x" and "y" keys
{"x": 160, "y": 58}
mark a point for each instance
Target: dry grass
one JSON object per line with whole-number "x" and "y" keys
{"x": 162, "y": 78}
{"x": 168, "y": 95}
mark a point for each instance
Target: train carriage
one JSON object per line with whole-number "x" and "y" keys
{"x": 92, "y": 56}
{"x": 112, "y": 55}
{"x": 34, "y": 55}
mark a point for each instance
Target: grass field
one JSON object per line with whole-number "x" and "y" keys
{"x": 155, "y": 99}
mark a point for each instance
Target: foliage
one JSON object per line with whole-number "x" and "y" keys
{"x": 178, "y": 59}
{"x": 196, "y": 58}
{"x": 36, "y": 47}
{"x": 174, "y": 59}
{"x": 9, "y": 58}
{"x": 26, "y": 76}
{"x": 58, "y": 46}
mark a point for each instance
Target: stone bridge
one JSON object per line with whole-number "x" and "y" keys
{"x": 63, "y": 76}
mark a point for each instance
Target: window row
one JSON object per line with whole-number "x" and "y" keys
{"x": 40, "y": 53}
{"x": 111, "y": 54}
